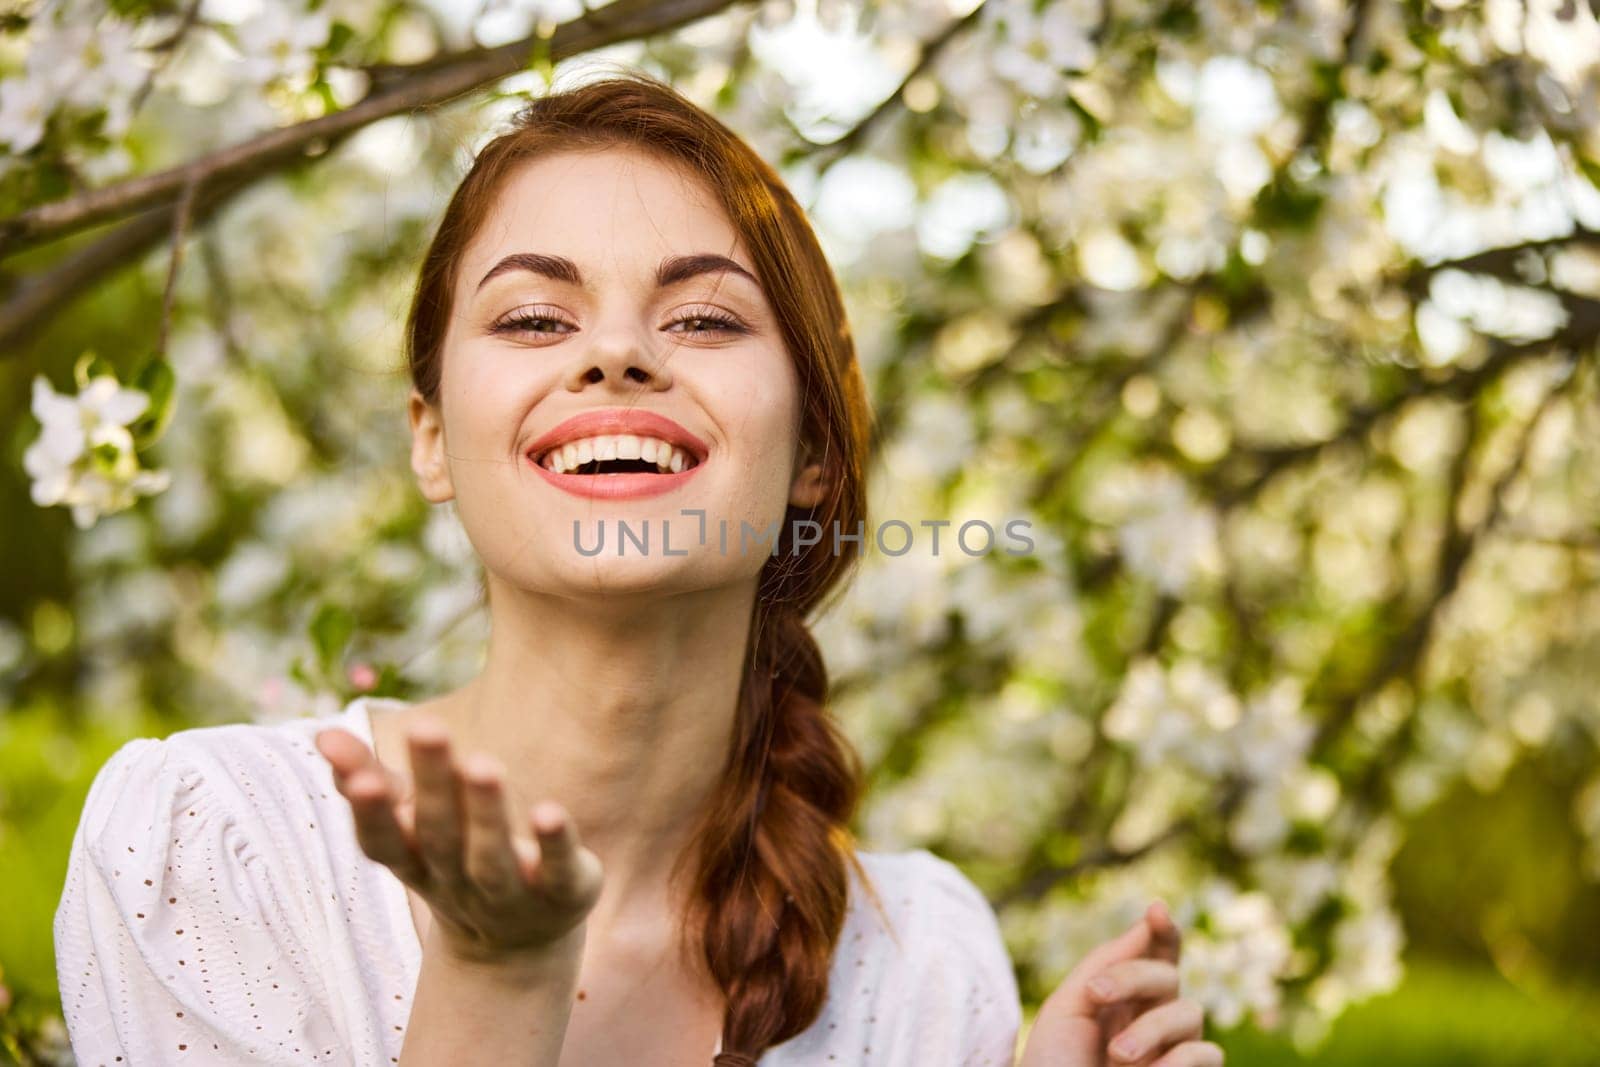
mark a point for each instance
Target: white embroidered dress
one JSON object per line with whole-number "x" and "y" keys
{"x": 218, "y": 910}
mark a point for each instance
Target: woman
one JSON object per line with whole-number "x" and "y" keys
{"x": 624, "y": 317}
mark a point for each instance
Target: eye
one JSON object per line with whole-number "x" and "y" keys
{"x": 524, "y": 320}
{"x": 527, "y": 320}
{"x": 718, "y": 321}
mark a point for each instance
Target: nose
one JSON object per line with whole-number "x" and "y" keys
{"x": 619, "y": 359}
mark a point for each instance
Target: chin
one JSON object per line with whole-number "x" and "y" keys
{"x": 609, "y": 575}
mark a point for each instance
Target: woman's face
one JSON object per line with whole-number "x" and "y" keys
{"x": 559, "y": 311}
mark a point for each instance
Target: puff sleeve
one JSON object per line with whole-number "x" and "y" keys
{"x": 963, "y": 1007}
{"x": 173, "y": 939}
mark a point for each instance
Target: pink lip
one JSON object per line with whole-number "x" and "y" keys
{"x": 615, "y": 486}
{"x": 617, "y": 421}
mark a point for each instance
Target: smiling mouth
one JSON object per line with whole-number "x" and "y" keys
{"x": 612, "y": 454}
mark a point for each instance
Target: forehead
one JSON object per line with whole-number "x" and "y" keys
{"x": 616, "y": 211}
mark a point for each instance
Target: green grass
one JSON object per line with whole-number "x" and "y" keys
{"x": 1446, "y": 1015}
{"x": 45, "y": 771}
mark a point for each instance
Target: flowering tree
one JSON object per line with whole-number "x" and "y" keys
{"x": 1276, "y": 322}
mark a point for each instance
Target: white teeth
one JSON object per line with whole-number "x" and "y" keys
{"x": 574, "y": 454}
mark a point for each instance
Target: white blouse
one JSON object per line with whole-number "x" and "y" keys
{"x": 218, "y": 910}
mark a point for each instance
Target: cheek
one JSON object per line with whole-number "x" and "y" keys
{"x": 756, "y": 399}
{"x": 486, "y": 398}
{"x": 485, "y": 401}
{"x": 759, "y": 414}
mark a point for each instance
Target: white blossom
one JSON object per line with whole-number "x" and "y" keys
{"x": 936, "y": 441}
{"x": 278, "y": 42}
{"x": 1307, "y": 794}
{"x": 1232, "y": 964}
{"x": 444, "y": 536}
{"x": 1181, "y": 714}
{"x": 25, "y": 107}
{"x": 1366, "y": 960}
{"x": 1170, "y": 538}
{"x": 253, "y": 571}
{"x": 89, "y": 65}
{"x": 1274, "y": 732}
{"x": 1037, "y": 48}
{"x": 1297, "y": 884}
{"x": 82, "y": 64}
{"x": 13, "y": 646}
{"x": 84, "y": 457}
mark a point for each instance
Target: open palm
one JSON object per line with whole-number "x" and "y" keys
{"x": 493, "y": 890}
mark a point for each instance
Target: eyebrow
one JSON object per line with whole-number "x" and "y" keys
{"x": 670, "y": 271}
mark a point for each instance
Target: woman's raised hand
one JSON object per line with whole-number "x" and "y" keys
{"x": 1119, "y": 1007}
{"x": 496, "y": 893}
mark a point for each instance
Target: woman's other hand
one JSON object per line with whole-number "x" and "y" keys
{"x": 497, "y": 894}
{"x": 1119, "y": 1007}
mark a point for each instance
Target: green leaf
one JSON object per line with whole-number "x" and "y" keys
{"x": 339, "y": 35}
{"x": 297, "y": 671}
{"x": 389, "y": 681}
{"x": 1591, "y": 170}
{"x": 89, "y": 367}
{"x": 539, "y": 59}
{"x": 324, "y": 92}
{"x": 157, "y": 378}
{"x": 1285, "y": 203}
{"x": 331, "y": 629}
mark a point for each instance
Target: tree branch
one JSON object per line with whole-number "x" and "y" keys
{"x": 1071, "y": 815}
{"x": 164, "y": 49}
{"x": 180, "y": 224}
{"x": 1581, "y": 330}
{"x": 1499, "y": 262}
{"x": 837, "y": 149}
{"x": 1405, "y": 655}
{"x": 230, "y": 171}
{"x": 435, "y": 82}
{"x": 39, "y": 296}
{"x": 1462, "y": 547}
{"x": 1101, "y": 857}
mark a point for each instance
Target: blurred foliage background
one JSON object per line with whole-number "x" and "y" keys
{"x": 1277, "y": 321}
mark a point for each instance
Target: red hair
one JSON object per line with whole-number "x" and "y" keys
{"x": 770, "y": 881}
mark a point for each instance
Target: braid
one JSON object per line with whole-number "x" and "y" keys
{"x": 773, "y": 894}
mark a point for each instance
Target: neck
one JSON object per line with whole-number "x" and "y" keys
{"x": 622, "y": 709}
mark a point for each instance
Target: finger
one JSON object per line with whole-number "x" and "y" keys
{"x": 377, "y": 831}
{"x": 437, "y": 802}
{"x": 564, "y": 867}
{"x": 343, "y": 750}
{"x": 1138, "y": 979}
{"x": 1192, "y": 1054}
{"x": 527, "y": 853}
{"x": 491, "y": 862}
{"x": 1072, "y": 995}
{"x": 1166, "y": 940}
{"x": 1159, "y": 1028}
{"x": 347, "y": 754}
